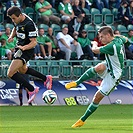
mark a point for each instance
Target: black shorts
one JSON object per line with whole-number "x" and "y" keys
{"x": 25, "y": 56}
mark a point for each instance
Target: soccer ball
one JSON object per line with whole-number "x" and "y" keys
{"x": 49, "y": 96}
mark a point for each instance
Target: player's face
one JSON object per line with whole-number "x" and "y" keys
{"x": 15, "y": 19}
{"x": 104, "y": 38}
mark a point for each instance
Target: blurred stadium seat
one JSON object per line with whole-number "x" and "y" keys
{"x": 108, "y": 17}
{"x": 97, "y": 18}
{"x": 1, "y": 18}
{"x": 123, "y": 30}
{"x": 56, "y": 28}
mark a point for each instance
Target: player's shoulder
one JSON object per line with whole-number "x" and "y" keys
{"x": 121, "y": 37}
{"x": 28, "y": 20}
{"x": 30, "y": 25}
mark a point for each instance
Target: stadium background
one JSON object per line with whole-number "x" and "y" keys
{"x": 62, "y": 72}
{"x": 38, "y": 119}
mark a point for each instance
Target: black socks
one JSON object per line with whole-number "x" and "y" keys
{"x": 36, "y": 74}
{"x": 21, "y": 80}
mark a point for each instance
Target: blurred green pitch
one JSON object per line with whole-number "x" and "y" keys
{"x": 58, "y": 119}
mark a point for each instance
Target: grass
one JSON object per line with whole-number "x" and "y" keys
{"x": 58, "y": 119}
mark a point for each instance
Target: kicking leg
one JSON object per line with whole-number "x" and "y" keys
{"x": 91, "y": 72}
{"x": 91, "y": 109}
{"x": 47, "y": 79}
{"x": 87, "y": 75}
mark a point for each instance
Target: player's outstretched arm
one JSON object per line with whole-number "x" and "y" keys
{"x": 95, "y": 47}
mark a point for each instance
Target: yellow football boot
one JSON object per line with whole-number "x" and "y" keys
{"x": 70, "y": 85}
{"x": 79, "y": 123}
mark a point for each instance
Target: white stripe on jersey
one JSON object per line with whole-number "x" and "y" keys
{"x": 115, "y": 63}
{"x": 36, "y": 31}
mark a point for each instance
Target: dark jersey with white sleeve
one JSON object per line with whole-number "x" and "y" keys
{"x": 24, "y": 31}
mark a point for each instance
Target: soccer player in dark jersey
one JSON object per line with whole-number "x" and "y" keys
{"x": 26, "y": 32}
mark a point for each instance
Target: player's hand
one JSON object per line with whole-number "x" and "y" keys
{"x": 21, "y": 47}
{"x": 94, "y": 43}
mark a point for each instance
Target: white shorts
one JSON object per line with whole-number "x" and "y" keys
{"x": 108, "y": 83}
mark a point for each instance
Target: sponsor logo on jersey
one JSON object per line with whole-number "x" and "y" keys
{"x": 32, "y": 33}
{"x": 21, "y": 35}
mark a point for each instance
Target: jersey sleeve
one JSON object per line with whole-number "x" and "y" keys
{"x": 107, "y": 49}
{"x": 123, "y": 38}
{"x": 31, "y": 30}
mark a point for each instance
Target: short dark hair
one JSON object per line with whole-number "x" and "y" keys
{"x": 14, "y": 10}
{"x": 105, "y": 30}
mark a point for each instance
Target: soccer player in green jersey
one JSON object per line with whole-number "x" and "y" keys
{"x": 109, "y": 70}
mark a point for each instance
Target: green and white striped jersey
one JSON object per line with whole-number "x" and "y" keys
{"x": 114, "y": 55}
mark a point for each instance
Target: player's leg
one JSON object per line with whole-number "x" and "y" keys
{"x": 108, "y": 84}
{"x": 91, "y": 109}
{"x": 27, "y": 94}
{"x": 13, "y": 73}
{"x": 26, "y": 76}
{"x": 47, "y": 79}
{"x": 20, "y": 95}
{"x": 90, "y": 73}
{"x": 93, "y": 106}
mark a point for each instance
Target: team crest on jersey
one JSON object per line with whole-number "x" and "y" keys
{"x": 22, "y": 28}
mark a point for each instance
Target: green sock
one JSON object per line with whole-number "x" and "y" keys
{"x": 87, "y": 75}
{"x": 92, "y": 107}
